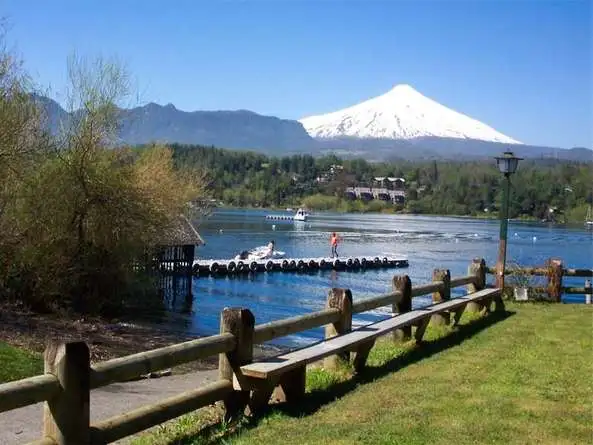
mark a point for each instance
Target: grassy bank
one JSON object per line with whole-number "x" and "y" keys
{"x": 16, "y": 363}
{"x": 516, "y": 379}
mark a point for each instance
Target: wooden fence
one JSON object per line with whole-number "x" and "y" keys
{"x": 69, "y": 376}
{"x": 553, "y": 271}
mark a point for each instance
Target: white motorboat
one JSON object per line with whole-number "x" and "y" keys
{"x": 300, "y": 215}
{"x": 259, "y": 253}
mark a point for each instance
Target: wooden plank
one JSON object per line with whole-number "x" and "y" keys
{"x": 368, "y": 304}
{"x": 130, "y": 366}
{"x": 462, "y": 281}
{"x": 477, "y": 269}
{"x": 444, "y": 294}
{"x": 555, "y": 272}
{"x": 275, "y": 366}
{"x": 361, "y": 354}
{"x": 28, "y": 391}
{"x": 340, "y": 299}
{"x": 240, "y": 323}
{"x": 291, "y": 386}
{"x": 428, "y": 288}
{"x": 458, "y": 313}
{"x": 145, "y": 417}
{"x": 421, "y": 329}
{"x": 403, "y": 284}
{"x": 569, "y": 272}
{"x": 274, "y": 329}
{"x": 66, "y": 415}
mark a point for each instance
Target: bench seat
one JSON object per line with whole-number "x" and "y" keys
{"x": 273, "y": 367}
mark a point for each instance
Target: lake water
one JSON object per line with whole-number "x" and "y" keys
{"x": 427, "y": 242}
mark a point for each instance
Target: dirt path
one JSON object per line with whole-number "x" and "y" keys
{"x": 106, "y": 340}
{"x": 23, "y": 425}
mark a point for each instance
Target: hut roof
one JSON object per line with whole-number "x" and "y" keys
{"x": 182, "y": 233}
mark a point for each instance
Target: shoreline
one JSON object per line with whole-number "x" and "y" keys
{"x": 481, "y": 217}
{"x": 107, "y": 339}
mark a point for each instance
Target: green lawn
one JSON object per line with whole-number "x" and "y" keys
{"x": 17, "y": 363}
{"x": 517, "y": 379}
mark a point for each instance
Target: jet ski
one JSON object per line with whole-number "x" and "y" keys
{"x": 259, "y": 253}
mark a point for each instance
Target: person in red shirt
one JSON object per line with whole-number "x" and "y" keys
{"x": 334, "y": 244}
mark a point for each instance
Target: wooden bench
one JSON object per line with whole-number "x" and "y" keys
{"x": 288, "y": 370}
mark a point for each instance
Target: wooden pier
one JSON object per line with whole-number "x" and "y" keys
{"x": 230, "y": 267}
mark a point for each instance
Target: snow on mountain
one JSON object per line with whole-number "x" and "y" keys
{"x": 402, "y": 113}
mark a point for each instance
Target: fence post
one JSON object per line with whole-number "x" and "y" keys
{"x": 587, "y": 291}
{"x": 66, "y": 415}
{"x": 477, "y": 268}
{"x": 240, "y": 323}
{"x": 403, "y": 284}
{"x": 340, "y": 299}
{"x": 445, "y": 294}
{"x": 555, "y": 279}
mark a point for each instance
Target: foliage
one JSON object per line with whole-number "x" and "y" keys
{"x": 80, "y": 213}
{"x": 541, "y": 189}
{"x": 519, "y": 276}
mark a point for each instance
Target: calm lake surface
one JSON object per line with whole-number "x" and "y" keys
{"x": 427, "y": 242}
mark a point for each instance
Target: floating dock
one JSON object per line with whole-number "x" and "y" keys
{"x": 284, "y": 218}
{"x": 231, "y": 267}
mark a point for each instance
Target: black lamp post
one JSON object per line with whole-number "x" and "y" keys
{"x": 507, "y": 164}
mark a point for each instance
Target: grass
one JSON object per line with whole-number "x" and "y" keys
{"x": 16, "y": 363}
{"x": 518, "y": 378}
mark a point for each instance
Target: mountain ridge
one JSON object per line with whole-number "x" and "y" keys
{"x": 248, "y": 130}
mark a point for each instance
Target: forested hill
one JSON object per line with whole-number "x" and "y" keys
{"x": 450, "y": 188}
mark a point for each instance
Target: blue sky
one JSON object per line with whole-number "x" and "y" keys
{"x": 522, "y": 66}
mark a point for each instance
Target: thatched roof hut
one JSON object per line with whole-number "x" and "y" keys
{"x": 183, "y": 233}
{"x": 179, "y": 245}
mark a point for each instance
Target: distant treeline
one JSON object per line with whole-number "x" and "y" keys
{"x": 542, "y": 189}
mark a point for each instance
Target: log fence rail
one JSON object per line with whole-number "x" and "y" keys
{"x": 69, "y": 376}
{"x": 554, "y": 273}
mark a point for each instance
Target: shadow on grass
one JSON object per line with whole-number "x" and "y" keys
{"x": 314, "y": 400}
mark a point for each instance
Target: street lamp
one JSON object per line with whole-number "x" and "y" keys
{"x": 507, "y": 164}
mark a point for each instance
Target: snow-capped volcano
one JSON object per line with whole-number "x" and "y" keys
{"x": 402, "y": 113}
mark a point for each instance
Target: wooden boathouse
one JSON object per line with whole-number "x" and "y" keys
{"x": 177, "y": 251}
{"x": 178, "y": 247}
